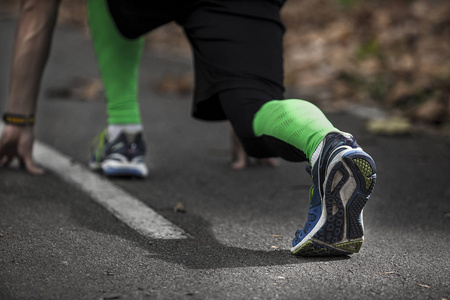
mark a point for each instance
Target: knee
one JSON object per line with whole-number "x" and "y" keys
{"x": 240, "y": 107}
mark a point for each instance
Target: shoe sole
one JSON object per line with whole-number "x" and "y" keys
{"x": 340, "y": 231}
{"x": 113, "y": 168}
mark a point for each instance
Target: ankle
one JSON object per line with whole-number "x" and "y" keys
{"x": 115, "y": 129}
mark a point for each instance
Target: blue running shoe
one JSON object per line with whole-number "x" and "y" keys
{"x": 122, "y": 157}
{"x": 343, "y": 179}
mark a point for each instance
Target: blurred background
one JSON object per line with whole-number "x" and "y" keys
{"x": 391, "y": 57}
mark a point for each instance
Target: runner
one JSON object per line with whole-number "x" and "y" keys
{"x": 237, "y": 47}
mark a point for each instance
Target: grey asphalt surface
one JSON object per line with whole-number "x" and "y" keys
{"x": 57, "y": 243}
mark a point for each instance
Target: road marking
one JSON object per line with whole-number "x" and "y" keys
{"x": 122, "y": 205}
{"x": 125, "y": 207}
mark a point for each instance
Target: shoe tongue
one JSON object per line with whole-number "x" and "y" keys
{"x": 129, "y": 136}
{"x": 115, "y": 130}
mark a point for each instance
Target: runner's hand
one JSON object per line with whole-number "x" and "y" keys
{"x": 17, "y": 142}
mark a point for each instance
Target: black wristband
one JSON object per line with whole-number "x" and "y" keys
{"x": 18, "y": 120}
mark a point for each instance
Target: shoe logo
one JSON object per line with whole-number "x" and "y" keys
{"x": 117, "y": 146}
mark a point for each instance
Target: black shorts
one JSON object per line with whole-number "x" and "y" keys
{"x": 237, "y": 44}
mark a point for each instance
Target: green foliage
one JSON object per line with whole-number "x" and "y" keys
{"x": 368, "y": 49}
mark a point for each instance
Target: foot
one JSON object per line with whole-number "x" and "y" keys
{"x": 240, "y": 159}
{"x": 343, "y": 179}
{"x": 122, "y": 157}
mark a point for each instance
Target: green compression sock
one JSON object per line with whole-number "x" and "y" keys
{"x": 118, "y": 60}
{"x": 296, "y": 122}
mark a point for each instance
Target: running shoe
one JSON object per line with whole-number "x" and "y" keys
{"x": 122, "y": 157}
{"x": 343, "y": 178}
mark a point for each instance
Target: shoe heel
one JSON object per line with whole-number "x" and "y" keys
{"x": 364, "y": 172}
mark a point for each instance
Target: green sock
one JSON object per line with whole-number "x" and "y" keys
{"x": 296, "y": 122}
{"x": 118, "y": 60}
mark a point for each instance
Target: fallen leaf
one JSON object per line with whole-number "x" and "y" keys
{"x": 274, "y": 247}
{"x": 423, "y": 285}
{"x": 79, "y": 88}
{"x": 170, "y": 83}
{"x": 447, "y": 215}
{"x": 391, "y": 126}
{"x": 1, "y": 234}
{"x": 179, "y": 208}
{"x": 91, "y": 88}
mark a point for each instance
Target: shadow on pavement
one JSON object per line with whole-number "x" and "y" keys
{"x": 201, "y": 250}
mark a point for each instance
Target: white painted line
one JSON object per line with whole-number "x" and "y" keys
{"x": 125, "y": 207}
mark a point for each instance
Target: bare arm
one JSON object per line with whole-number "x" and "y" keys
{"x": 34, "y": 33}
{"x": 31, "y": 48}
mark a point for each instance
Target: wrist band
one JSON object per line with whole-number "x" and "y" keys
{"x": 18, "y": 120}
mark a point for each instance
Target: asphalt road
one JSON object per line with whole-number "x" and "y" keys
{"x": 57, "y": 243}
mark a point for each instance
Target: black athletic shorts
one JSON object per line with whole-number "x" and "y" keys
{"x": 237, "y": 44}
